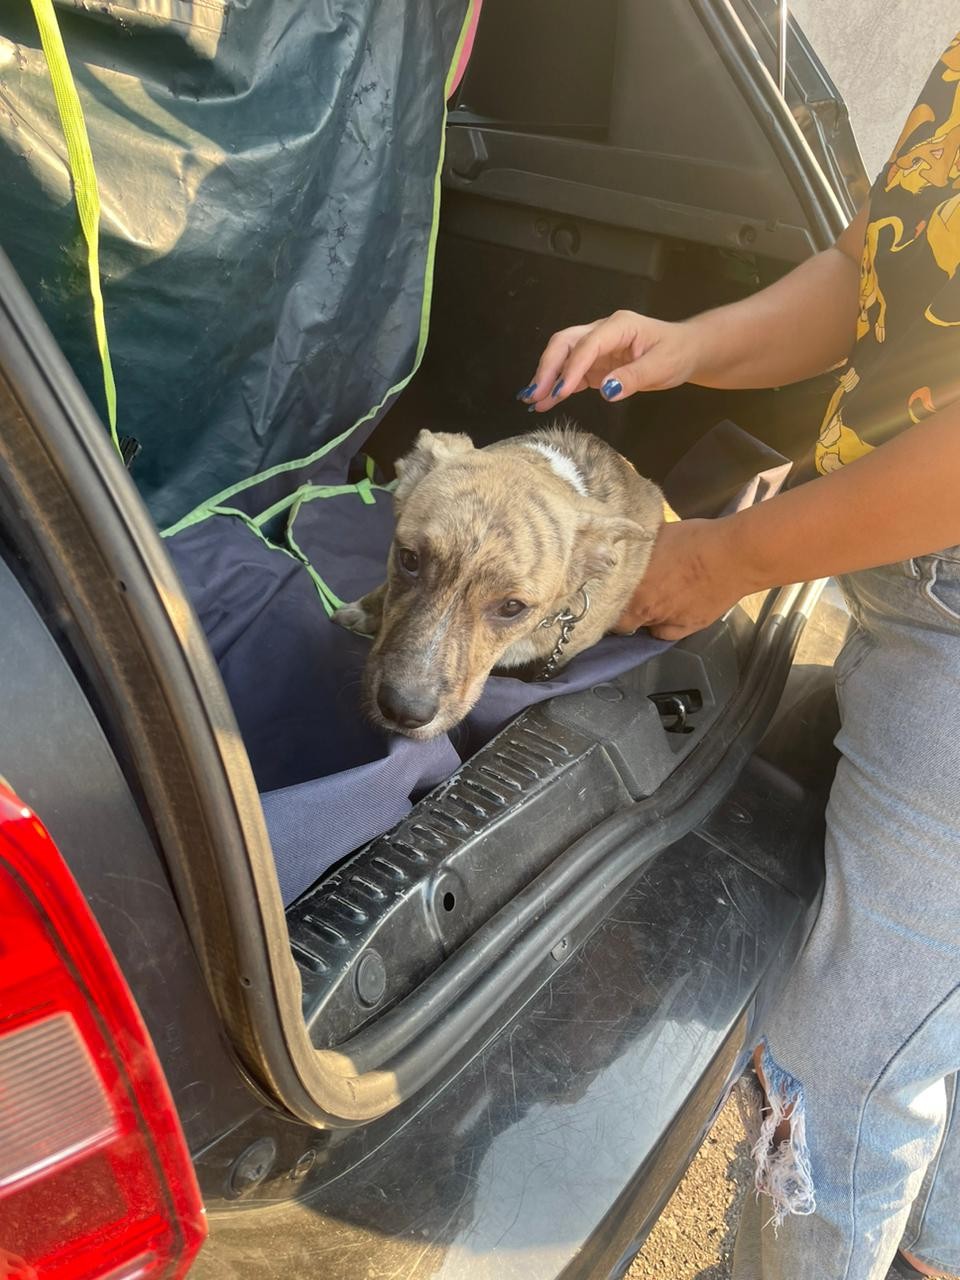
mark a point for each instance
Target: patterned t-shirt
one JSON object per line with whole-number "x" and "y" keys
{"x": 905, "y": 363}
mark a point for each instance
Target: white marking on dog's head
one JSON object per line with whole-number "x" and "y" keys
{"x": 562, "y": 465}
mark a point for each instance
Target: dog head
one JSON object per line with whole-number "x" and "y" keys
{"x": 483, "y": 552}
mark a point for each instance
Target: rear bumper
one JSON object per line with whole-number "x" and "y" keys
{"x": 552, "y": 1150}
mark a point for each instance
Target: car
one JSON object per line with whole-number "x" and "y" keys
{"x": 463, "y": 1009}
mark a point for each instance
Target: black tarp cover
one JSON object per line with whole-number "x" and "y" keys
{"x": 268, "y": 174}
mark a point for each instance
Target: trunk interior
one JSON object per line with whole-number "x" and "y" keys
{"x": 390, "y": 855}
{"x": 376, "y": 924}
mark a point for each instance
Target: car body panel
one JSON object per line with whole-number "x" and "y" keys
{"x": 54, "y": 752}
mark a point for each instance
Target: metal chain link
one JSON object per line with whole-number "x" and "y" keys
{"x": 566, "y": 621}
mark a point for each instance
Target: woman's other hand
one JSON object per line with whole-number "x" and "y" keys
{"x": 619, "y": 356}
{"x": 695, "y": 575}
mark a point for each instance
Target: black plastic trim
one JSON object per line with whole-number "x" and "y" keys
{"x": 369, "y": 932}
{"x": 469, "y": 989}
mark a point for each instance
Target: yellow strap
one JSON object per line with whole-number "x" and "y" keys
{"x": 85, "y": 191}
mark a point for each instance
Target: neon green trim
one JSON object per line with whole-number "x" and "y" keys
{"x": 328, "y": 597}
{"x": 252, "y": 526}
{"x": 314, "y": 491}
{"x": 306, "y": 493}
{"x": 84, "y": 177}
{"x": 205, "y": 509}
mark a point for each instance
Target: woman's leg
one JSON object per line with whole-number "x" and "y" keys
{"x": 857, "y": 1054}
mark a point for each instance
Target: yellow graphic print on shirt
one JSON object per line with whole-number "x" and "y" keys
{"x": 870, "y": 294}
{"x": 906, "y": 351}
{"x": 933, "y": 160}
{"x": 839, "y": 445}
{"x": 943, "y": 237}
{"x": 920, "y": 404}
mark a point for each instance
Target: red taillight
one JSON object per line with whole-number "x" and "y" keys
{"x": 95, "y": 1176}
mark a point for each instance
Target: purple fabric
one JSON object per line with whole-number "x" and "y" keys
{"x": 313, "y": 824}
{"x": 329, "y": 781}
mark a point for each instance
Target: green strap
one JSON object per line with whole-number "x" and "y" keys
{"x": 363, "y": 489}
{"x": 306, "y": 493}
{"x": 83, "y": 174}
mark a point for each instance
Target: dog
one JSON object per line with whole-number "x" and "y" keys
{"x": 514, "y": 557}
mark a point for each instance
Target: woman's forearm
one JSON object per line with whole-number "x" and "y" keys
{"x": 795, "y": 328}
{"x": 897, "y": 502}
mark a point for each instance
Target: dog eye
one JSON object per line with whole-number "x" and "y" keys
{"x": 511, "y": 609}
{"x": 409, "y": 561}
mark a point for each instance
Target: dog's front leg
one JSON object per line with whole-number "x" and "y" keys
{"x": 365, "y": 615}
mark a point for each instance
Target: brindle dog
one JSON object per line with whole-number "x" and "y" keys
{"x": 496, "y": 552}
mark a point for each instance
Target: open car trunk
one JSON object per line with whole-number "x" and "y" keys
{"x": 282, "y": 229}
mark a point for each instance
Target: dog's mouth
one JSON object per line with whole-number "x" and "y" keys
{"x": 432, "y": 728}
{"x": 416, "y": 712}
{"x": 421, "y": 733}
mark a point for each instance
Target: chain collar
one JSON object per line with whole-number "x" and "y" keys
{"x": 566, "y": 621}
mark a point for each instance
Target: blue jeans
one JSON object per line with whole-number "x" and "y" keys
{"x": 863, "y": 1049}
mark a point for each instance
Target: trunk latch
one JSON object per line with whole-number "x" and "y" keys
{"x": 675, "y": 708}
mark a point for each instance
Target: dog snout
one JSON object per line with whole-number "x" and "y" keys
{"x": 410, "y": 707}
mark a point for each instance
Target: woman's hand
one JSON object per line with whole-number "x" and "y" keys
{"x": 800, "y": 325}
{"x": 695, "y": 575}
{"x": 620, "y": 355}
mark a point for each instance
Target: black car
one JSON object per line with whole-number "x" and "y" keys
{"x": 481, "y": 1032}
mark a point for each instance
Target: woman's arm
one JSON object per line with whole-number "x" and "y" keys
{"x": 793, "y": 329}
{"x": 797, "y": 327}
{"x": 899, "y": 501}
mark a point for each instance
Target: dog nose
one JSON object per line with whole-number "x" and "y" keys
{"x": 407, "y": 708}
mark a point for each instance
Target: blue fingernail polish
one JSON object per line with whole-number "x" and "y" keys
{"x": 527, "y": 392}
{"x": 557, "y": 388}
{"x": 532, "y": 408}
{"x": 612, "y": 387}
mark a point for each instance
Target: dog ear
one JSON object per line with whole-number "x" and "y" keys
{"x": 597, "y": 547}
{"x": 429, "y": 450}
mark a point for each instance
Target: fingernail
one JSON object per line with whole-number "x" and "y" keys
{"x": 532, "y": 408}
{"x": 612, "y": 387}
{"x": 557, "y": 388}
{"x": 526, "y": 392}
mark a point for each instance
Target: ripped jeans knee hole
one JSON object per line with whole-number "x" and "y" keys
{"x": 782, "y": 1166}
